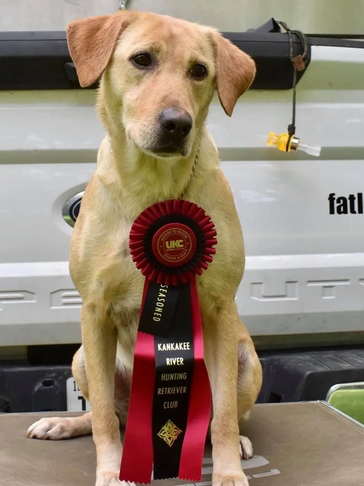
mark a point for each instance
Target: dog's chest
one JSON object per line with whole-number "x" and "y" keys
{"x": 123, "y": 286}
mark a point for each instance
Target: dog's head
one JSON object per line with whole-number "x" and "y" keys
{"x": 159, "y": 75}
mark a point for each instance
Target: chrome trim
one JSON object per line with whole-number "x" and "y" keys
{"x": 354, "y": 385}
{"x": 67, "y": 207}
{"x": 295, "y": 141}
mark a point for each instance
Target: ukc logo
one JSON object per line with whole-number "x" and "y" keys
{"x": 174, "y": 244}
{"x": 170, "y": 245}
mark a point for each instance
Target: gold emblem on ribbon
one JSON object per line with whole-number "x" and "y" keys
{"x": 169, "y": 433}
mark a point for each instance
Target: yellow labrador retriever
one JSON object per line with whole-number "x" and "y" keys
{"x": 158, "y": 75}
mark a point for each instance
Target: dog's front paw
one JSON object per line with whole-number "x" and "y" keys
{"x": 245, "y": 448}
{"x": 54, "y": 428}
{"x": 238, "y": 479}
{"x": 110, "y": 478}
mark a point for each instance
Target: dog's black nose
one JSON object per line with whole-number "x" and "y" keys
{"x": 176, "y": 125}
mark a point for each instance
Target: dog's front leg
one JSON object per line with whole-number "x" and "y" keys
{"x": 221, "y": 338}
{"x": 99, "y": 343}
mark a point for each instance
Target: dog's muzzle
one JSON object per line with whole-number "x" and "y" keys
{"x": 175, "y": 125}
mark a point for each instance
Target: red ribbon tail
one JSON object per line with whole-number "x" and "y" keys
{"x": 200, "y": 402}
{"x": 137, "y": 459}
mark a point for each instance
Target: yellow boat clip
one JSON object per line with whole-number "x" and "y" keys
{"x": 287, "y": 143}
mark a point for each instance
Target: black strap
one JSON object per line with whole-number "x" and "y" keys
{"x": 174, "y": 359}
{"x": 298, "y": 65}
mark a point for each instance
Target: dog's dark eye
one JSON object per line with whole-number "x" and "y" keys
{"x": 198, "y": 71}
{"x": 143, "y": 60}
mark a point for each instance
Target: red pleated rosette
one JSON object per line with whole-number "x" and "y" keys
{"x": 172, "y": 221}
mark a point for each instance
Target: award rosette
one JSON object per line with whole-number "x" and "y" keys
{"x": 170, "y": 403}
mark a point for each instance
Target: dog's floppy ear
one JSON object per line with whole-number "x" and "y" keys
{"x": 91, "y": 42}
{"x": 235, "y": 72}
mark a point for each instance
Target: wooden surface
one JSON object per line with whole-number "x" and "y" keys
{"x": 300, "y": 444}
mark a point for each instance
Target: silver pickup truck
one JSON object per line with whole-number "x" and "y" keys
{"x": 302, "y": 296}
